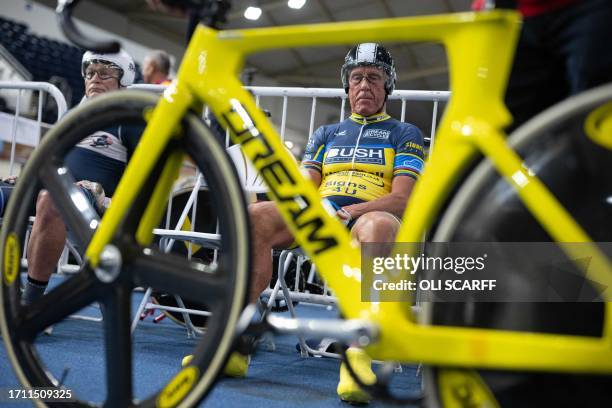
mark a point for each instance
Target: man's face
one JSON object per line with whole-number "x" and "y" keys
{"x": 100, "y": 78}
{"x": 367, "y": 90}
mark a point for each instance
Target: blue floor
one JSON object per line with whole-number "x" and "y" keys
{"x": 275, "y": 379}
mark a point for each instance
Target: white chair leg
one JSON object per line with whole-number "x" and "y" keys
{"x": 141, "y": 307}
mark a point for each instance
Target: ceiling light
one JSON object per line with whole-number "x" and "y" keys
{"x": 252, "y": 13}
{"x": 296, "y": 4}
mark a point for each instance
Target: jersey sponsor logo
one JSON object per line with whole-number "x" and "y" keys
{"x": 101, "y": 141}
{"x": 106, "y": 144}
{"x": 413, "y": 163}
{"x": 341, "y": 133}
{"x": 343, "y": 154}
{"x": 414, "y": 146}
{"x": 376, "y": 178}
{"x": 377, "y": 134}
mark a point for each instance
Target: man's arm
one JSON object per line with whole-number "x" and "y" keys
{"x": 313, "y": 155}
{"x": 394, "y": 202}
{"x": 315, "y": 177}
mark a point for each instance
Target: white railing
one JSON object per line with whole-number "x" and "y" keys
{"x": 316, "y": 94}
{"x": 319, "y": 93}
{"x": 24, "y": 130}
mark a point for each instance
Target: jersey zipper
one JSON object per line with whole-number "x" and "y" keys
{"x": 348, "y": 182}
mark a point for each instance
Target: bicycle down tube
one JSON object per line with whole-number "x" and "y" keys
{"x": 480, "y": 65}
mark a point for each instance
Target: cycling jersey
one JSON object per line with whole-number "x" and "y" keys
{"x": 359, "y": 157}
{"x": 102, "y": 156}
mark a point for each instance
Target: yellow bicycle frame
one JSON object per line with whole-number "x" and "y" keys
{"x": 480, "y": 49}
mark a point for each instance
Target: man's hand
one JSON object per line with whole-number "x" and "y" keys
{"x": 101, "y": 201}
{"x": 344, "y": 216}
{"x": 10, "y": 180}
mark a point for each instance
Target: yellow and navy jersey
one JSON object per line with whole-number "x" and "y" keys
{"x": 359, "y": 157}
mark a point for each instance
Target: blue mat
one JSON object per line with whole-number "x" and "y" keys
{"x": 276, "y": 378}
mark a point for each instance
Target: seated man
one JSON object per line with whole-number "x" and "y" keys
{"x": 156, "y": 68}
{"x": 97, "y": 163}
{"x": 366, "y": 166}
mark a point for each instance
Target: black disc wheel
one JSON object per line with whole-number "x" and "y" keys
{"x": 562, "y": 147}
{"x": 221, "y": 286}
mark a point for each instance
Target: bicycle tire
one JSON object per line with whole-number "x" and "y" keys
{"x": 465, "y": 209}
{"x": 230, "y": 280}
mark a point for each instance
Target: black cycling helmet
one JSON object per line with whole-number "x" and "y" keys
{"x": 369, "y": 54}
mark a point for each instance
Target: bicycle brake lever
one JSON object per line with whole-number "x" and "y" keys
{"x": 64, "y": 16}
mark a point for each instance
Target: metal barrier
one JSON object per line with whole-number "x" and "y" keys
{"x": 329, "y": 93}
{"x": 24, "y": 130}
{"x": 315, "y": 94}
{"x": 281, "y": 291}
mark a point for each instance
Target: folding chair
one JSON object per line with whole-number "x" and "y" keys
{"x": 252, "y": 183}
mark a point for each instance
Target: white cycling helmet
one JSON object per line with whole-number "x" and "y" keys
{"x": 121, "y": 61}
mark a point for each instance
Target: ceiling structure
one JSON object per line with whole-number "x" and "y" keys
{"x": 420, "y": 66}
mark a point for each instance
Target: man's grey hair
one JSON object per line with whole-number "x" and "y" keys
{"x": 161, "y": 59}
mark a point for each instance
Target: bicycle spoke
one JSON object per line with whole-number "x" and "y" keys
{"x": 178, "y": 276}
{"x": 77, "y": 213}
{"x": 66, "y": 299}
{"x": 118, "y": 342}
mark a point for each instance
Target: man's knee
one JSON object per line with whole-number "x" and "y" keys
{"x": 45, "y": 208}
{"x": 376, "y": 226}
{"x": 265, "y": 217}
{"x": 267, "y": 225}
{"x": 259, "y": 215}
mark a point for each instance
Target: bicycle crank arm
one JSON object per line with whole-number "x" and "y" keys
{"x": 358, "y": 332}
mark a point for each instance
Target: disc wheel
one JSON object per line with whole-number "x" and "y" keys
{"x": 222, "y": 286}
{"x": 557, "y": 146}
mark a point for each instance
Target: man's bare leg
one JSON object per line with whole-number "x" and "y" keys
{"x": 268, "y": 230}
{"x": 379, "y": 227}
{"x": 44, "y": 247}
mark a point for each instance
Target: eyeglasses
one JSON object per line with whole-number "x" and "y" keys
{"x": 371, "y": 78}
{"x": 103, "y": 73}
